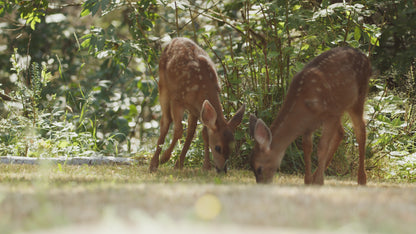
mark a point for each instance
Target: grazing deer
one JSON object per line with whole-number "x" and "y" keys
{"x": 188, "y": 81}
{"x": 333, "y": 83}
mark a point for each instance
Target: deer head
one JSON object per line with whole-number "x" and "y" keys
{"x": 264, "y": 163}
{"x": 220, "y": 134}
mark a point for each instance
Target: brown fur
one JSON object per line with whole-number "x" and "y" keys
{"x": 188, "y": 81}
{"x": 333, "y": 83}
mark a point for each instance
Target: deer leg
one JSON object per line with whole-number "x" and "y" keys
{"x": 329, "y": 129}
{"x": 177, "y": 115}
{"x": 360, "y": 133}
{"x": 207, "y": 164}
{"x": 333, "y": 145}
{"x": 165, "y": 122}
{"x": 307, "y": 145}
{"x": 192, "y": 122}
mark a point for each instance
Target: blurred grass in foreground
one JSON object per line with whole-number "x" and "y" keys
{"x": 62, "y": 199}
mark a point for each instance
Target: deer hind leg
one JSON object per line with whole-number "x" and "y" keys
{"x": 328, "y": 144}
{"x": 177, "y": 115}
{"x": 359, "y": 128}
{"x": 207, "y": 163}
{"x": 192, "y": 122}
{"x": 307, "y": 145}
{"x": 334, "y": 144}
{"x": 165, "y": 122}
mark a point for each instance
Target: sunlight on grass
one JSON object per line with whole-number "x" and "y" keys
{"x": 59, "y": 175}
{"x": 41, "y": 197}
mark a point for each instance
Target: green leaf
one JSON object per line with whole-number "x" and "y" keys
{"x": 90, "y": 7}
{"x": 33, "y": 24}
{"x": 357, "y": 33}
{"x": 375, "y": 41}
{"x": 87, "y": 42}
{"x": 304, "y": 47}
{"x": 63, "y": 144}
{"x": 296, "y": 7}
{"x": 85, "y": 12}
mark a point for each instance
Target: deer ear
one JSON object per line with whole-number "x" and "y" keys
{"x": 208, "y": 115}
{"x": 262, "y": 135}
{"x": 237, "y": 118}
{"x": 252, "y": 124}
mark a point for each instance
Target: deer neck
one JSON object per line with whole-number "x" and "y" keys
{"x": 282, "y": 136}
{"x": 288, "y": 125}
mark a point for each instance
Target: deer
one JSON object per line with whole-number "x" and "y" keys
{"x": 333, "y": 83}
{"x": 188, "y": 81}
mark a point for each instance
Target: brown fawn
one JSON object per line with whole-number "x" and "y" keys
{"x": 188, "y": 81}
{"x": 333, "y": 83}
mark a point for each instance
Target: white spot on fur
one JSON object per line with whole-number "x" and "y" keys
{"x": 193, "y": 88}
{"x": 184, "y": 74}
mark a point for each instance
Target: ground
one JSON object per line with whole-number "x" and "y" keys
{"x": 127, "y": 199}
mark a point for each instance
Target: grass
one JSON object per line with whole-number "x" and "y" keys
{"x": 127, "y": 199}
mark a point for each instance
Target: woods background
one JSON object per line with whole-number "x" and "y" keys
{"x": 79, "y": 78}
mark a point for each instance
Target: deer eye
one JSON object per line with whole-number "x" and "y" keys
{"x": 218, "y": 148}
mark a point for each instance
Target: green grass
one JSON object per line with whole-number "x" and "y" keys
{"x": 104, "y": 199}
{"x": 64, "y": 175}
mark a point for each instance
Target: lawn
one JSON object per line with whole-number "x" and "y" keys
{"x": 127, "y": 199}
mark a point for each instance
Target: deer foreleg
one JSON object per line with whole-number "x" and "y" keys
{"x": 192, "y": 122}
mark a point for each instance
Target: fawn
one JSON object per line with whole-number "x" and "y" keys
{"x": 333, "y": 83}
{"x": 188, "y": 81}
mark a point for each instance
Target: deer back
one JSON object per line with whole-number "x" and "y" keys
{"x": 188, "y": 76}
{"x": 328, "y": 85}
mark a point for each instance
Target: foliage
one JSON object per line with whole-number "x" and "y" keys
{"x": 395, "y": 55}
{"x": 391, "y": 135}
{"x": 33, "y": 127}
{"x": 99, "y": 96}
{"x": 83, "y": 79}
{"x": 31, "y": 11}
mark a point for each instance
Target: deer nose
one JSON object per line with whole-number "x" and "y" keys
{"x": 219, "y": 171}
{"x": 223, "y": 170}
